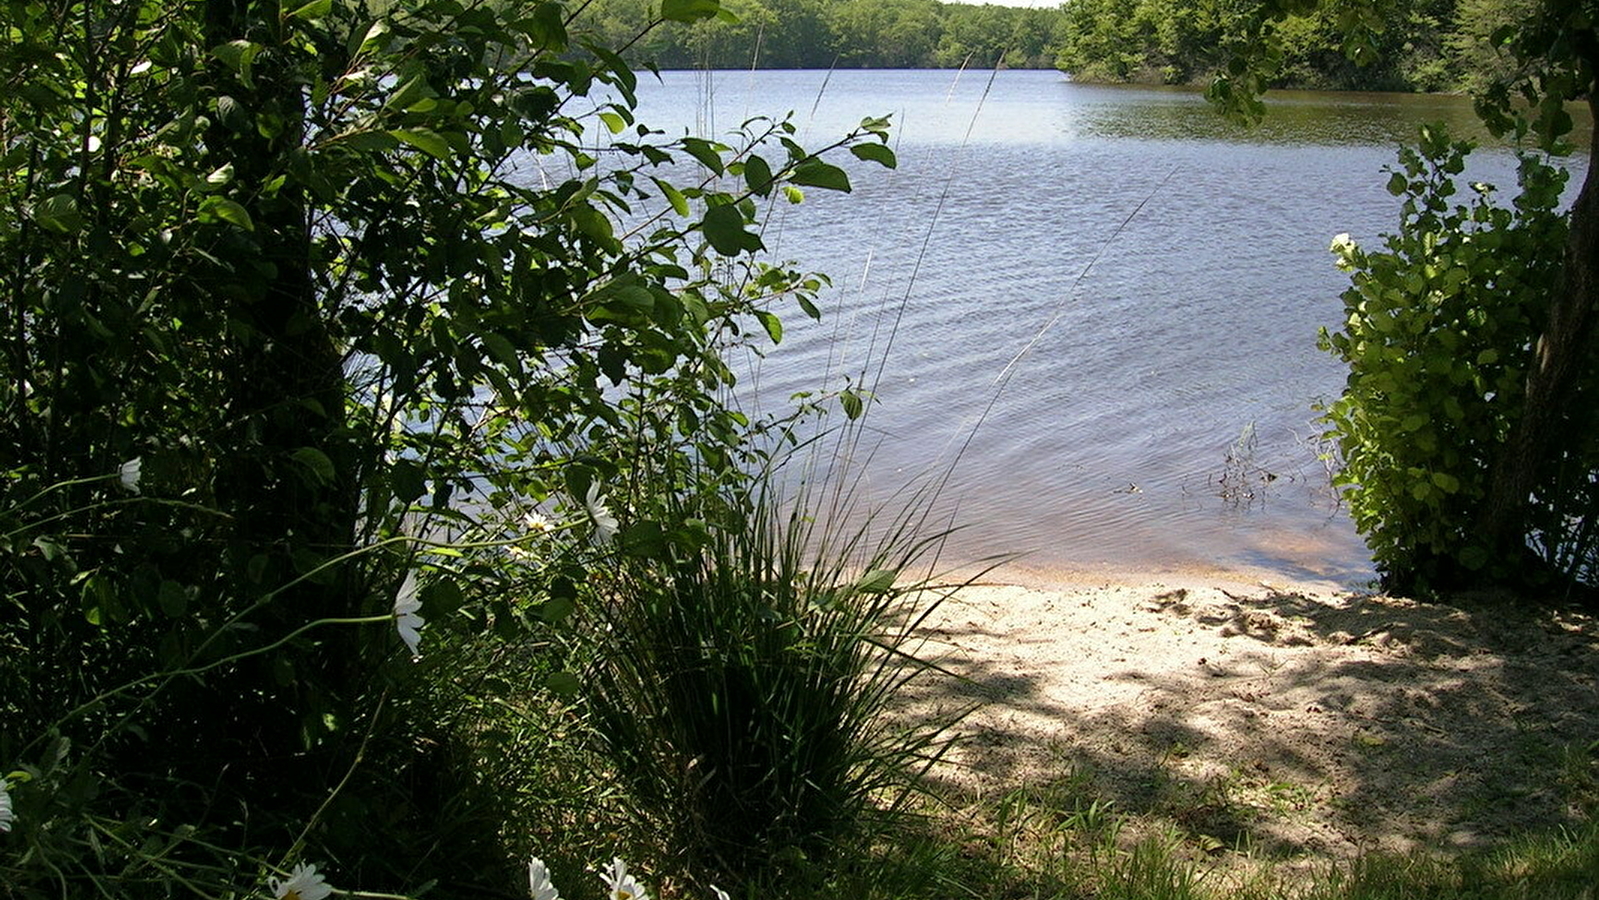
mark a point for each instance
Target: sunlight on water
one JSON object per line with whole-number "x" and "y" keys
{"x": 1098, "y": 305}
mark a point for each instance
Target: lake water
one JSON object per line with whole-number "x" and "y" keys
{"x": 1094, "y": 307}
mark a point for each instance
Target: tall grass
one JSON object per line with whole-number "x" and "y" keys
{"x": 740, "y": 688}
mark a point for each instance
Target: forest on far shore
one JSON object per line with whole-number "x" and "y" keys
{"x": 818, "y": 34}
{"x": 1428, "y": 45}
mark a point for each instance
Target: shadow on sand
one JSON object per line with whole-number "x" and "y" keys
{"x": 1325, "y": 725}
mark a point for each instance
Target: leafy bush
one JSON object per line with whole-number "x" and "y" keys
{"x": 1438, "y": 332}
{"x": 282, "y": 298}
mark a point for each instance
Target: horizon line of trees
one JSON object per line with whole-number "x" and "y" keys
{"x": 1428, "y": 46}
{"x": 820, "y": 34}
{"x": 1423, "y": 46}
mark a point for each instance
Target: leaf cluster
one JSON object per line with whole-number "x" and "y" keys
{"x": 1438, "y": 330}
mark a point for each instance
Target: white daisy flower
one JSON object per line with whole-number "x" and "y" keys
{"x": 6, "y": 815}
{"x": 536, "y": 523}
{"x": 406, "y": 616}
{"x": 604, "y": 521}
{"x": 538, "y": 881}
{"x": 621, "y": 886}
{"x": 128, "y": 474}
{"x": 303, "y": 884}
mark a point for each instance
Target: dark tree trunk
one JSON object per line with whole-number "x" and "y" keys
{"x": 284, "y": 383}
{"x": 1560, "y": 357}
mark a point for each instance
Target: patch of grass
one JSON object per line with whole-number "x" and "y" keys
{"x": 740, "y": 690}
{"x": 1022, "y": 846}
{"x": 1563, "y": 865}
{"x": 1579, "y": 777}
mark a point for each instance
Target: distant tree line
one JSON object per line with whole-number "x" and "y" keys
{"x": 818, "y": 34}
{"x": 1422, "y": 45}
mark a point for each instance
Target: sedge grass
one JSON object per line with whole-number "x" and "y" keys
{"x": 740, "y": 689}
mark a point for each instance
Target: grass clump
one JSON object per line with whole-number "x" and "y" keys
{"x": 739, "y": 688}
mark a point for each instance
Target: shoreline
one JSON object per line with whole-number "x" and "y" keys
{"x": 1072, "y": 577}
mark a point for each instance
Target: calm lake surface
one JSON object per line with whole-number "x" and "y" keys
{"x": 1096, "y": 308}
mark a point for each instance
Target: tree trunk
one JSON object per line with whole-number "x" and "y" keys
{"x": 1560, "y": 357}
{"x": 284, "y": 384}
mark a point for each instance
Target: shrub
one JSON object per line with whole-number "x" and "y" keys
{"x": 1438, "y": 332}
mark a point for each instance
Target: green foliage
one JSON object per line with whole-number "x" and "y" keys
{"x": 1485, "y": 61}
{"x": 820, "y": 34}
{"x": 1437, "y": 334}
{"x": 1546, "y": 56}
{"x": 1395, "y": 47}
{"x": 740, "y": 688}
{"x": 352, "y": 287}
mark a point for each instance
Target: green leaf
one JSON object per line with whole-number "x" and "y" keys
{"x": 877, "y": 581}
{"x": 724, "y": 228}
{"x": 316, "y": 463}
{"x": 877, "y": 125}
{"x": 1397, "y": 184}
{"x": 690, "y": 10}
{"x": 239, "y": 56}
{"x": 173, "y": 597}
{"x": 372, "y": 41}
{"x": 772, "y": 324}
{"x": 613, "y": 122}
{"x": 214, "y": 208}
{"x": 707, "y": 152}
{"x": 546, "y": 27}
{"x": 626, "y": 296}
{"x": 877, "y": 153}
{"x": 373, "y": 141}
{"x": 409, "y": 92}
{"x": 644, "y": 539}
{"x": 564, "y": 684}
{"x": 59, "y": 214}
{"x": 815, "y": 173}
{"x": 407, "y": 481}
{"x": 674, "y": 197}
{"x": 758, "y": 175}
{"x": 441, "y": 597}
{"x": 794, "y": 194}
{"x": 316, "y": 9}
{"x": 501, "y": 349}
{"x": 99, "y": 595}
{"x": 851, "y": 401}
{"x": 428, "y": 142}
{"x": 557, "y": 610}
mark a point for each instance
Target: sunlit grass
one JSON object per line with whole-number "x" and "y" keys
{"x": 1016, "y": 846}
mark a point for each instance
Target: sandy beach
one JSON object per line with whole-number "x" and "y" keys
{"x": 1295, "y": 719}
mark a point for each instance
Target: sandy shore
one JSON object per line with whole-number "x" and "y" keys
{"x": 1289, "y": 718}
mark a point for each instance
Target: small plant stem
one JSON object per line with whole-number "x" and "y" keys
{"x": 360, "y": 754}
